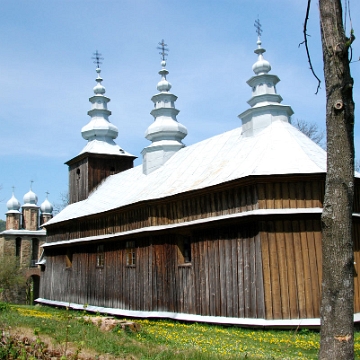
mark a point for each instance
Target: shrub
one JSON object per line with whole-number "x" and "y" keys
{"x": 12, "y": 278}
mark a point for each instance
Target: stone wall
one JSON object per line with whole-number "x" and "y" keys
{"x": 19, "y": 294}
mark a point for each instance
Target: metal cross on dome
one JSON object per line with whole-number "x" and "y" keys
{"x": 97, "y": 57}
{"x": 258, "y": 27}
{"x": 164, "y": 49}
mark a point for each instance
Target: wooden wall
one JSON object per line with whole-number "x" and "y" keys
{"x": 356, "y": 238}
{"x": 87, "y": 172}
{"x": 224, "y": 277}
{"x": 291, "y": 253}
{"x": 260, "y": 267}
{"x": 78, "y": 187}
{"x": 230, "y": 199}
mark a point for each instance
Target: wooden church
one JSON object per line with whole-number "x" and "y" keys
{"x": 226, "y": 230}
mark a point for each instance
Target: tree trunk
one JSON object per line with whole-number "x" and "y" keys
{"x": 337, "y": 304}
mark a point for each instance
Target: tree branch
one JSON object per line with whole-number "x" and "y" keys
{"x": 306, "y": 45}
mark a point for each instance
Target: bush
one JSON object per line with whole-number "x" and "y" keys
{"x": 4, "y": 306}
{"x": 12, "y": 278}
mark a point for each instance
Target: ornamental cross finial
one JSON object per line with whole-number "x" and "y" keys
{"x": 258, "y": 27}
{"x": 97, "y": 57}
{"x": 47, "y": 194}
{"x": 164, "y": 50}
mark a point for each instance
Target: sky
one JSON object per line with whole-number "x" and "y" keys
{"x": 48, "y": 74}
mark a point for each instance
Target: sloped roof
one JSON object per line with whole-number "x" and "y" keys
{"x": 279, "y": 149}
{"x": 102, "y": 147}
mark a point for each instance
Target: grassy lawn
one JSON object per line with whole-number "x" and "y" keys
{"x": 159, "y": 339}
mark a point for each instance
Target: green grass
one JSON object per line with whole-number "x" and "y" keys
{"x": 165, "y": 339}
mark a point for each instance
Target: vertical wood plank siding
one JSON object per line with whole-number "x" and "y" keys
{"x": 86, "y": 172}
{"x": 259, "y": 268}
{"x": 271, "y": 270}
{"x": 356, "y": 237}
{"x": 159, "y": 282}
{"x": 291, "y": 253}
{"x": 178, "y": 209}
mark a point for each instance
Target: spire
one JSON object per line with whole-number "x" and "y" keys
{"x": 163, "y": 84}
{"x": 261, "y": 66}
{"x": 165, "y": 132}
{"x": 99, "y": 128}
{"x": 100, "y": 132}
{"x": 265, "y": 103}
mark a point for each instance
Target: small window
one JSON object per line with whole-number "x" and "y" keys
{"x": 184, "y": 246}
{"x": 34, "y": 252}
{"x": 187, "y": 251}
{"x": 18, "y": 247}
{"x": 130, "y": 253}
{"x": 100, "y": 256}
{"x": 68, "y": 258}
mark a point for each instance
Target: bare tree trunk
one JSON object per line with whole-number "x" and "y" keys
{"x": 337, "y": 305}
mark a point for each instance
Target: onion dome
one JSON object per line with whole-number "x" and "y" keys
{"x": 13, "y": 204}
{"x": 99, "y": 88}
{"x": 163, "y": 84}
{"x": 46, "y": 207}
{"x": 30, "y": 198}
{"x": 262, "y": 66}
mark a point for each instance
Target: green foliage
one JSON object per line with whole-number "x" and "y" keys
{"x": 2, "y": 225}
{"x": 157, "y": 339}
{"x": 160, "y": 339}
{"x": 4, "y": 307}
{"x": 12, "y": 278}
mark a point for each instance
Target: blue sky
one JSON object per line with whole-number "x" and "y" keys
{"x": 47, "y": 73}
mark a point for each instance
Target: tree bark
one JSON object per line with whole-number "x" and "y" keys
{"x": 337, "y": 304}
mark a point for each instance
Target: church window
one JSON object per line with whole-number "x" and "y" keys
{"x": 68, "y": 258}
{"x": 184, "y": 246}
{"x": 130, "y": 253}
{"x": 34, "y": 252}
{"x": 100, "y": 256}
{"x": 18, "y": 249}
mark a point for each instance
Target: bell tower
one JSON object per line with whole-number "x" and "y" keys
{"x": 101, "y": 156}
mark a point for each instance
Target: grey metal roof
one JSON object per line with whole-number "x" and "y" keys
{"x": 279, "y": 149}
